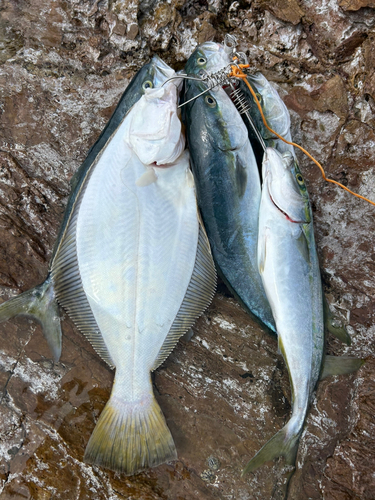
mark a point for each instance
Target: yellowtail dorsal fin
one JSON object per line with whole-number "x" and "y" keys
{"x": 198, "y": 297}
{"x": 130, "y": 437}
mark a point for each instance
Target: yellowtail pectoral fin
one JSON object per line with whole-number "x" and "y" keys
{"x": 130, "y": 437}
{"x": 40, "y": 304}
{"x": 340, "y": 365}
{"x": 262, "y": 246}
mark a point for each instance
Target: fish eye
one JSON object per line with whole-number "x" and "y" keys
{"x": 147, "y": 85}
{"x": 201, "y": 61}
{"x": 210, "y": 101}
{"x": 259, "y": 97}
{"x": 300, "y": 180}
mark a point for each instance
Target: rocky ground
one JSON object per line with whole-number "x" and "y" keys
{"x": 64, "y": 65}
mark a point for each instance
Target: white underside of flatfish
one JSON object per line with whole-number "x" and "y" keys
{"x": 146, "y": 272}
{"x": 133, "y": 269}
{"x": 135, "y": 249}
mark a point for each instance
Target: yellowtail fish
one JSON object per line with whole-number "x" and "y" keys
{"x": 289, "y": 267}
{"x": 227, "y": 180}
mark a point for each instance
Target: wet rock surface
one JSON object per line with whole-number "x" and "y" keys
{"x": 63, "y": 67}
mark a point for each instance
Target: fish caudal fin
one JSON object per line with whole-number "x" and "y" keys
{"x": 282, "y": 444}
{"x": 130, "y": 437}
{"x": 40, "y": 304}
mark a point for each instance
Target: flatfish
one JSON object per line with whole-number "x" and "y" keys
{"x": 133, "y": 269}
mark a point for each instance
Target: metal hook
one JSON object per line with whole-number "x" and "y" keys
{"x": 230, "y": 43}
{"x": 181, "y": 75}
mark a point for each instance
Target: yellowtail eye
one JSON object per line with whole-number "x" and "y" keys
{"x": 201, "y": 61}
{"x": 210, "y": 101}
{"x": 259, "y": 97}
{"x": 147, "y": 85}
{"x": 300, "y": 180}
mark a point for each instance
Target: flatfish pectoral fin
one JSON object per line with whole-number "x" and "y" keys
{"x": 198, "y": 297}
{"x": 147, "y": 178}
{"x": 40, "y": 304}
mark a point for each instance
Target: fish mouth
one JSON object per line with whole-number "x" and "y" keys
{"x": 162, "y": 71}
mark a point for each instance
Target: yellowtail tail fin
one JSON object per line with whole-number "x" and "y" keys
{"x": 40, "y": 304}
{"x": 282, "y": 444}
{"x": 130, "y": 437}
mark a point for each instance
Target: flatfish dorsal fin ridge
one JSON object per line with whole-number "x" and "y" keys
{"x": 198, "y": 297}
{"x": 69, "y": 290}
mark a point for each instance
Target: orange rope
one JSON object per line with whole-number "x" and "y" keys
{"x": 238, "y": 73}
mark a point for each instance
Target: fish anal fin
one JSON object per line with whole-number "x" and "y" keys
{"x": 340, "y": 365}
{"x": 130, "y": 437}
{"x": 40, "y": 304}
{"x": 66, "y": 277}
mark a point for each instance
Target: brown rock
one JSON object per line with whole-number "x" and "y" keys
{"x": 206, "y": 31}
{"x": 369, "y": 57}
{"x": 356, "y": 4}
{"x": 346, "y": 49}
{"x": 331, "y": 96}
{"x": 287, "y": 10}
{"x": 327, "y": 28}
{"x": 132, "y": 31}
{"x": 63, "y": 67}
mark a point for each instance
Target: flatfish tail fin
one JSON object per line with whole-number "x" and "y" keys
{"x": 283, "y": 444}
{"x": 130, "y": 437}
{"x": 40, "y": 304}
